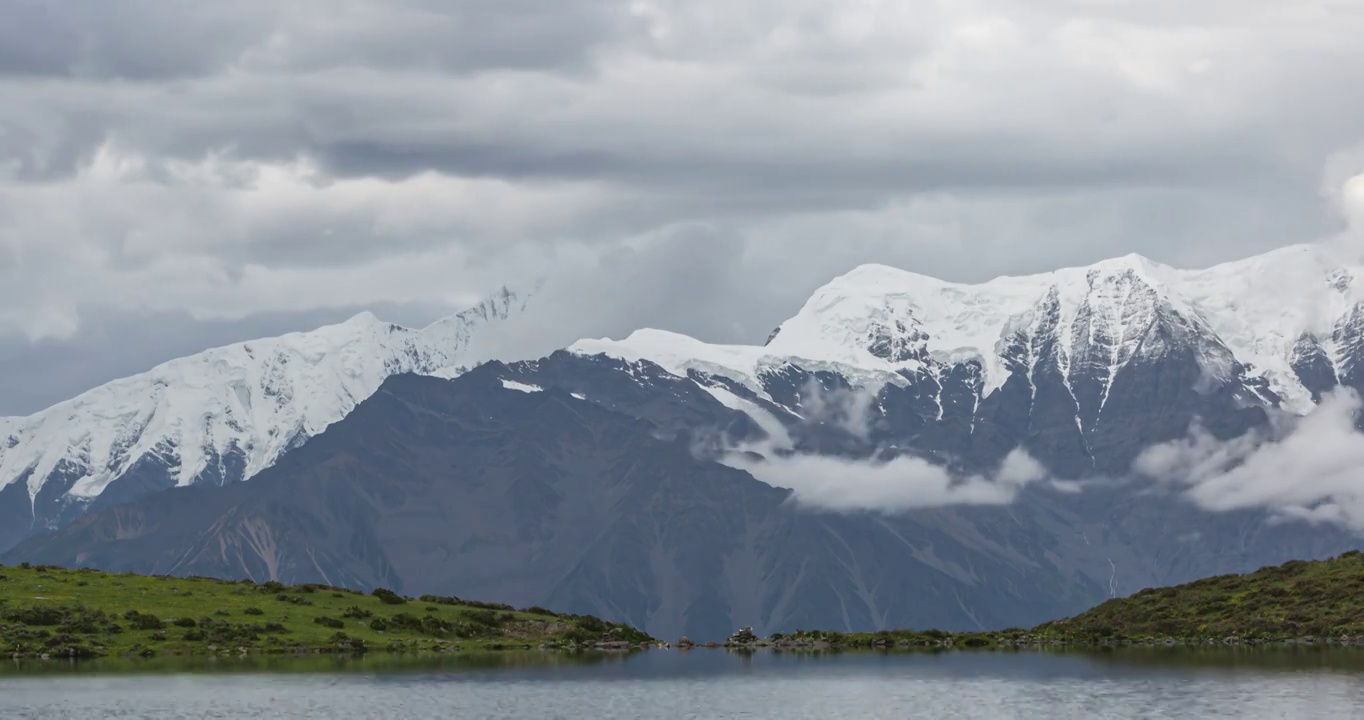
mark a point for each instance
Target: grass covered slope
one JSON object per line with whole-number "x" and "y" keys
{"x": 85, "y": 613}
{"x": 1299, "y": 599}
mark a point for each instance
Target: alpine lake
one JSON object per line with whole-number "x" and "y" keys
{"x": 1133, "y": 682}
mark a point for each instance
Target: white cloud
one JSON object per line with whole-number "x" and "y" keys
{"x": 899, "y": 484}
{"x": 1343, "y": 187}
{"x": 886, "y": 482}
{"x": 1352, "y": 205}
{"x": 1312, "y": 469}
{"x": 849, "y": 409}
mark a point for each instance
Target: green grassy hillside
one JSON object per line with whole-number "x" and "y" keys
{"x": 83, "y": 613}
{"x": 1299, "y": 600}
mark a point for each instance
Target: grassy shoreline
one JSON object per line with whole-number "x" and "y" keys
{"x": 908, "y": 640}
{"x": 52, "y": 612}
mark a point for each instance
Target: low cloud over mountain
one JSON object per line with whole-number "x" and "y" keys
{"x": 1309, "y": 468}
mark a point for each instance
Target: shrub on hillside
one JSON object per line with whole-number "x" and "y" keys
{"x": 591, "y": 624}
{"x": 36, "y": 616}
{"x": 452, "y": 600}
{"x": 486, "y": 618}
{"x": 143, "y": 621}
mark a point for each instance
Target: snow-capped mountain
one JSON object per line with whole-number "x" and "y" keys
{"x": 1083, "y": 366}
{"x": 591, "y": 469}
{"x": 1273, "y": 315}
{"x": 221, "y": 415}
{"x": 574, "y": 482}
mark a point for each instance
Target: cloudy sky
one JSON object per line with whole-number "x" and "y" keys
{"x": 178, "y": 175}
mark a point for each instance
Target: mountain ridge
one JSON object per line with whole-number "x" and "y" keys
{"x": 218, "y": 416}
{"x": 1083, "y": 366}
{"x": 570, "y": 482}
{"x": 880, "y": 321}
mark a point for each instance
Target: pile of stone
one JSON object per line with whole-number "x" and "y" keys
{"x": 746, "y": 639}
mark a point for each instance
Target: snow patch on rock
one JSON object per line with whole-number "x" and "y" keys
{"x": 521, "y": 387}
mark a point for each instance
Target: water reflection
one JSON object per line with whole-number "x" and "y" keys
{"x": 558, "y": 665}
{"x": 368, "y": 663}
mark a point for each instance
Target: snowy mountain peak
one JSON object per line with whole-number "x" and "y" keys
{"x": 1131, "y": 262}
{"x": 229, "y": 412}
{"x": 894, "y": 320}
{"x": 876, "y": 322}
{"x": 363, "y": 318}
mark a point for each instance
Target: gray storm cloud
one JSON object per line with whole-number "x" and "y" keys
{"x": 696, "y": 165}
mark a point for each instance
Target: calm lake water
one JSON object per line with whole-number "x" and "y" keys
{"x": 1245, "y": 683}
